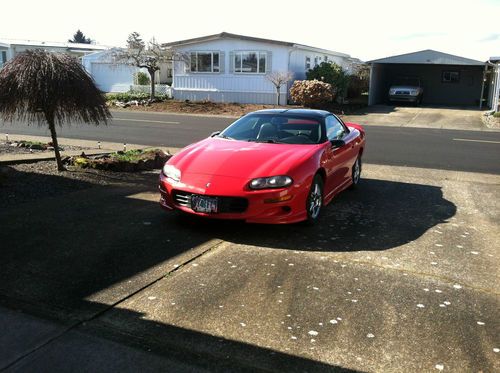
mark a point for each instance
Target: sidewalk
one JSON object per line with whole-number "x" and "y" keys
{"x": 92, "y": 148}
{"x": 30, "y": 344}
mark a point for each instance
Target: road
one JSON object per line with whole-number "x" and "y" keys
{"x": 472, "y": 151}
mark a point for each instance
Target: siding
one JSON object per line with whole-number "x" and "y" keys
{"x": 227, "y": 86}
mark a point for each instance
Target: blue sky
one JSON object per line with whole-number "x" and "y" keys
{"x": 363, "y": 29}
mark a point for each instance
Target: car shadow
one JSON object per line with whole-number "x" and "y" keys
{"x": 379, "y": 215}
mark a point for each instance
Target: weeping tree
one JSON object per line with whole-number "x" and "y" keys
{"x": 49, "y": 88}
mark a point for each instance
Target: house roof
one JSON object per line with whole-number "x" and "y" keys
{"x": 228, "y": 35}
{"x": 429, "y": 57}
{"x": 38, "y": 43}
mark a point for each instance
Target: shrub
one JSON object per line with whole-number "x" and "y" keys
{"x": 497, "y": 114}
{"x": 333, "y": 74}
{"x": 311, "y": 93}
{"x": 143, "y": 78}
{"x": 131, "y": 96}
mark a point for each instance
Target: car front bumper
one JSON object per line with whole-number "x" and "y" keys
{"x": 276, "y": 206}
{"x": 403, "y": 98}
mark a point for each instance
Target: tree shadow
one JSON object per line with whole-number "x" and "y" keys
{"x": 379, "y": 215}
{"x": 212, "y": 352}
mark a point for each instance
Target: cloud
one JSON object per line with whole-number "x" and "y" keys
{"x": 491, "y": 37}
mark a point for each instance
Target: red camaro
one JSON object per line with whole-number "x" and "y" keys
{"x": 270, "y": 166}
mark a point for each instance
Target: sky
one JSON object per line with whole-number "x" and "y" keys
{"x": 364, "y": 29}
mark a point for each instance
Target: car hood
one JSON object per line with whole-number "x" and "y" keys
{"x": 240, "y": 159}
{"x": 405, "y": 87}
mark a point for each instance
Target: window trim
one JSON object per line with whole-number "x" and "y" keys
{"x": 451, "y": 72}
{"x": 258, "y": 53}
{"x": 211, "y": 62}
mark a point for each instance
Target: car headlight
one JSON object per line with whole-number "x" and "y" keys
{"x": 414, "y": 92}
{"x": 392, "y": 91}
{"x": 270, "y": 182}
{"x": 172, "y": 172}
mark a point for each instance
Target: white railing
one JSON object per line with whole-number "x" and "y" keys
{"x": 161, "y": 89}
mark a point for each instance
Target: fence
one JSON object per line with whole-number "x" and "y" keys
{"x": 160, "y": 89}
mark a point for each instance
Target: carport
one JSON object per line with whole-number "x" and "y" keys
{"x": 446, "y": 79}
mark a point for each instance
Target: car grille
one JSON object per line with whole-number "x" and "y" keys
{"x": 226, "y": 204}
{"x": 402, "y": 92}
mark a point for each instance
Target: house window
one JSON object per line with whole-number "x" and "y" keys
{"x": 308, "y": 63}
{"x": 250, "y": 62}
{"x": 3, "y": 58}
{"x": 451, "y": 77}
{"x": 325, "y": 58}
{"x": 205, "y": 62}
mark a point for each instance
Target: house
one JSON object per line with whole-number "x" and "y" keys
{"x": 232, "y": 68}
{"x": 110, "y": 76}
{"x": 9, "y": 48}
{"x": 446, "y": 79}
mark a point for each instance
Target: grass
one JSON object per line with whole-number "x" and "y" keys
{"x": 132, "y": 155}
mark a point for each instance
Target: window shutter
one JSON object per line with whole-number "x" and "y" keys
{"x": 269, "y": 62}
{"x": 231, "y": 62}
{"x": 222, "y": 62}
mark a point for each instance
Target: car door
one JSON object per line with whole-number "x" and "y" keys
{"x": 337, "y": 163}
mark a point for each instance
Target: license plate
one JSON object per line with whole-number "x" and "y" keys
{"x": 204, "y": 204}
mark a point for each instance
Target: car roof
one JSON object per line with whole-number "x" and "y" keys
{"x": 302, "y": 112}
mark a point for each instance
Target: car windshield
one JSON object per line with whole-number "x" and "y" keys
{"x": 405, "y": 81}
{"x": 275, "y": 128}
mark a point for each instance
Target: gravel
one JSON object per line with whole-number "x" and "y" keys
{"x": 29, "y": 181}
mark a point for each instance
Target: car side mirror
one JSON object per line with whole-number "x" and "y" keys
{"x": 337, "y": 143}
{"x": 213, "y": 134}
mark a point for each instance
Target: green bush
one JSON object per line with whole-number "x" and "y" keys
{"x": 312, "y": 93}
{"x": 130, "y": 96}
{"x": 497, "y": 114}
{"x": 143, "y": 78}
{"x": 333, "y": 74}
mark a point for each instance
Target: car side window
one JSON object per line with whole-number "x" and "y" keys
{"x": 334, "y": 129}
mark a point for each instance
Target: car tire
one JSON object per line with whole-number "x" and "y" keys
{"x": 356, "y": 173}
{"x": 314, "y": 202}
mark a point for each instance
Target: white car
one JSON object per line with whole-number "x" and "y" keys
{"x": 406, "y": 89}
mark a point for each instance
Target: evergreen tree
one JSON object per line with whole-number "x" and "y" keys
{"x": 79, "y": 37}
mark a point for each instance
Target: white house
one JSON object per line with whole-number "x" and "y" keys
{"x": 9, "y": 48}
{"x": 232, "y": 68}
{"x": 110, "y": 76}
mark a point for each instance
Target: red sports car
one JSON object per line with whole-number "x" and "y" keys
{"x": 270, "y": 166}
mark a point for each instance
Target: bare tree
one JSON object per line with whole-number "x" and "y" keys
{"x": 279, "y": 79}
{"x": 49, "y": 87}
{"x": 149, "y": 55}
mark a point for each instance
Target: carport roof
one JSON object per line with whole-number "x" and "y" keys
{"x": 429, "y": 57}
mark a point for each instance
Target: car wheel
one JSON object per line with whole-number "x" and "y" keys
{"x": 314, "y": 202}
{"x": 356, "y": 173}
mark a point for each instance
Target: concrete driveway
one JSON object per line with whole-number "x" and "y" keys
{"x": 401, "y": 275}
{"x": 423, "y": 117}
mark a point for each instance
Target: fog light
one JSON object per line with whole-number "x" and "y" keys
{"x": 278, "y": 199}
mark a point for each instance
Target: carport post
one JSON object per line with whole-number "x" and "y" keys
{"x": 497, "y": 88}
{"x": 482, "y": 86}
{"x": 370, "y": 86}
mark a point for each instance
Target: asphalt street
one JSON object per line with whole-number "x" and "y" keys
{"x": 472, "y": 151}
